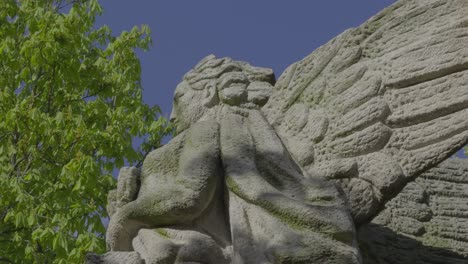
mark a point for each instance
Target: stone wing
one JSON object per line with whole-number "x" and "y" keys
{"x": 381, "y": 103}
{"x": 427, "y": 222}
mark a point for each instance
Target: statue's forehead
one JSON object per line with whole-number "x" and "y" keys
{"x": 183, "y": 88}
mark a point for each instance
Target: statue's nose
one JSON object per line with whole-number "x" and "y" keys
{"x": 173, "y": 116}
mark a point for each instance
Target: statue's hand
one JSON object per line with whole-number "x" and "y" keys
{"x": 128, "y": 186}
{"x": 112, "y": 203}
{"x": 122, "y": 229}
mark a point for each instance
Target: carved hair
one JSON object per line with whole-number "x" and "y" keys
{"x": 235, "y": 82}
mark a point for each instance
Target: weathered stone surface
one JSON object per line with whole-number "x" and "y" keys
{"x": 180, "y": 246}
{"x": 284, "y": 173}
{"x": 394, "y": 92}
{"x": 115, "y": 258}
{"x": 127, "y": 189}
{"x": 225, "y": 189}
{"x": 426, "y": 223}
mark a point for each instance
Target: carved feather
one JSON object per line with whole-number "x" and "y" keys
{"x": 394, "y": 94}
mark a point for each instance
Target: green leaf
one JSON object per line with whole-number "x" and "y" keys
{"x": 31, "y": 218}
{"x": 55, "y": 242}
{"x": 19, "y": 219}
{"x": 59, "y": 117}
{"x": 28, "y": 250}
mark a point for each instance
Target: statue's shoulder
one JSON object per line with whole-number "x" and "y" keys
{"x": 165, "y": 158}
{"x": 174, "y": 144}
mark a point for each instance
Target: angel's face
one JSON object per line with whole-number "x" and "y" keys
{"x": 188, "y": 106}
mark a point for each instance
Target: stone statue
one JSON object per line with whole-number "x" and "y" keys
{"x": 294, "y": 171}
{"x": 225, "y": 188}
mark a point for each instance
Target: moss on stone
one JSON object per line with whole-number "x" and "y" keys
{"x": 162, "y": 232}
{"x": 289, "y": 218}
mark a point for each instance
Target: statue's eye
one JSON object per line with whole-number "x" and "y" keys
{"x": 177, "y": 95}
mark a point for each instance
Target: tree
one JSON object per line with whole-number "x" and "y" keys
{"x": 70, "y": 104}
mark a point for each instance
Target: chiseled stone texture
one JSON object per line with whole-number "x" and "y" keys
{"x": 225, "y": 189}
{"x": 426, "y": 223}
{"x": 283, "y": 172}
{"x": 379, "y": 104}
{"x": 115, "y": 258}
{"x": 127, "y": 189}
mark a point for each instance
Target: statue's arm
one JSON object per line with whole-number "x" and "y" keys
{"x": 184, "y": 195}
{"x": 171, "y": 197}
{"x": 128, "y": 185}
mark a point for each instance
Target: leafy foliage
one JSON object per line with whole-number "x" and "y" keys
{"x": 70, "y": 104}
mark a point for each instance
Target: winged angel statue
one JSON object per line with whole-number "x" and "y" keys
{"x": 265, "y": 171}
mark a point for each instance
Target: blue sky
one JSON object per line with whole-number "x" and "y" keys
{"x": 267, "y": 33}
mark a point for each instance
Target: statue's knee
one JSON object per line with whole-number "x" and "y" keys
{"x": 155, "y": 247}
